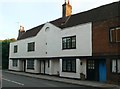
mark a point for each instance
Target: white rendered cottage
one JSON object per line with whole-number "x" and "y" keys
{"x": 58, "y": 47}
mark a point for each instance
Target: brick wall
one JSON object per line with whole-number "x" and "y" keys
{"x": 101, "y": 42}
{"x": 112, "y": 77}
{"x": 103, "y": 47}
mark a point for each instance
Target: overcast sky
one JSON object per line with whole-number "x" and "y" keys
{"x": 31, "y": 13}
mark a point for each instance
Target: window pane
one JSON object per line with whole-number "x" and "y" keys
{"x": 91, "y": 64}
{"x": 15, "y": 49}
{"x": 64, "y": 43}
{"x": 64, "y": 65}
{"x": 113, "y": 33}
{"x": 48, "y": 63}
{"x": 73, "y": 42}
{"x": 74, "y": 65}
{"x": 69, "y": 65}
{"x": 31, "y": 46}
{"x": 118, "y": 34}
{"x": 114, "y": 66}
{"x": 15, "y": 63}
{"x": 68, "y": 43}
{"x": 30, "y": 64}
{"x": 118, "y": 65}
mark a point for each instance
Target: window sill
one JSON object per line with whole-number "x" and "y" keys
{"x": 68, "y": 48}
{"x": 115, "y": 73}
{"x": 30, "y": 68}
{"x": 30, "y": 51}
{"x": 15, "y": 66}
{"x": 69, "y": 71}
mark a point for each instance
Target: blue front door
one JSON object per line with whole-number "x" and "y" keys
{"x": 102, "y": 70}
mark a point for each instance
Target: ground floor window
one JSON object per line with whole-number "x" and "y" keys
{"x": 15, "y": 63}
{"x": 69, "y": 65}
{"x": 30, "y": 64}
{"x": 115, "y": 65}
{"x": 48, "y": 63}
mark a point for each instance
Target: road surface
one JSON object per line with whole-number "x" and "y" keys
{"x": 12, "y": 80}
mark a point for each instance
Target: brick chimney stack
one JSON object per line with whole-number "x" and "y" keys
{"x": 21, "y": 31}
{"x": 67, "y": 9}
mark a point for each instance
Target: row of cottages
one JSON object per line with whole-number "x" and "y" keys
{"x": 85, "y": 45}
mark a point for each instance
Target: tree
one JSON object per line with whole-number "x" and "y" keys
{"x": 5, "y": 52}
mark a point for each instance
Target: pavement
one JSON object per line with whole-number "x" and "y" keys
{"x": 95, "y": 84}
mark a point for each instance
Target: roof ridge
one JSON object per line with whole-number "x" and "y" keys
{"x": 96, "y": 14}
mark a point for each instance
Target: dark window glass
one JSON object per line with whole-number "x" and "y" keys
{"x": 69, "y": 42}
{"x": 31, "y": 46}
{"x": 15, "y": 48}
{"x": 91, "y": 64}
{"x": 64, "y": 43}
{"x": 30, "y": 64}
{"x": 73, "y": 42}
{"x": 64, "y": 65}
{"x": 69, "y": 65}
{"x": 48, "y": 63}
{"x": 15, "y": 63}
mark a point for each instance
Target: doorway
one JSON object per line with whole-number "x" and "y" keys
{"x": 24, "y": 65}
{"x": 42, "y": 66}
{"x": 91, "y": 69}
{"x": 102, "y": 70}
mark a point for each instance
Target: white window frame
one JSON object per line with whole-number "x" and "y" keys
{"x": 111, "y": 38}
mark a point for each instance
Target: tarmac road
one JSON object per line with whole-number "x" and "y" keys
{"x": 13, "y": 80}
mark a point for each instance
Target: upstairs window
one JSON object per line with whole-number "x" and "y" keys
{"x": 15, "y": 49}
{"x": 115, "y": 34}
{"x": 31, "y": 46}
{"x": 69, "y": 42}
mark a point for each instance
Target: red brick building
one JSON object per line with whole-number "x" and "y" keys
{"x": 106, "y": 43}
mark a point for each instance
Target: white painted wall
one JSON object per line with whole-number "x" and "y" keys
{"x": 55, "y": 66}
{"x": 46, "y": 67}
{"x": 21, "y": 65}
{"x": 42, "y": 67}
{"x": 51, "y": 37}
{"x": 51, "y": 70}
{"x": 83, "y": 34}
{"x": 83, "y": 67}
